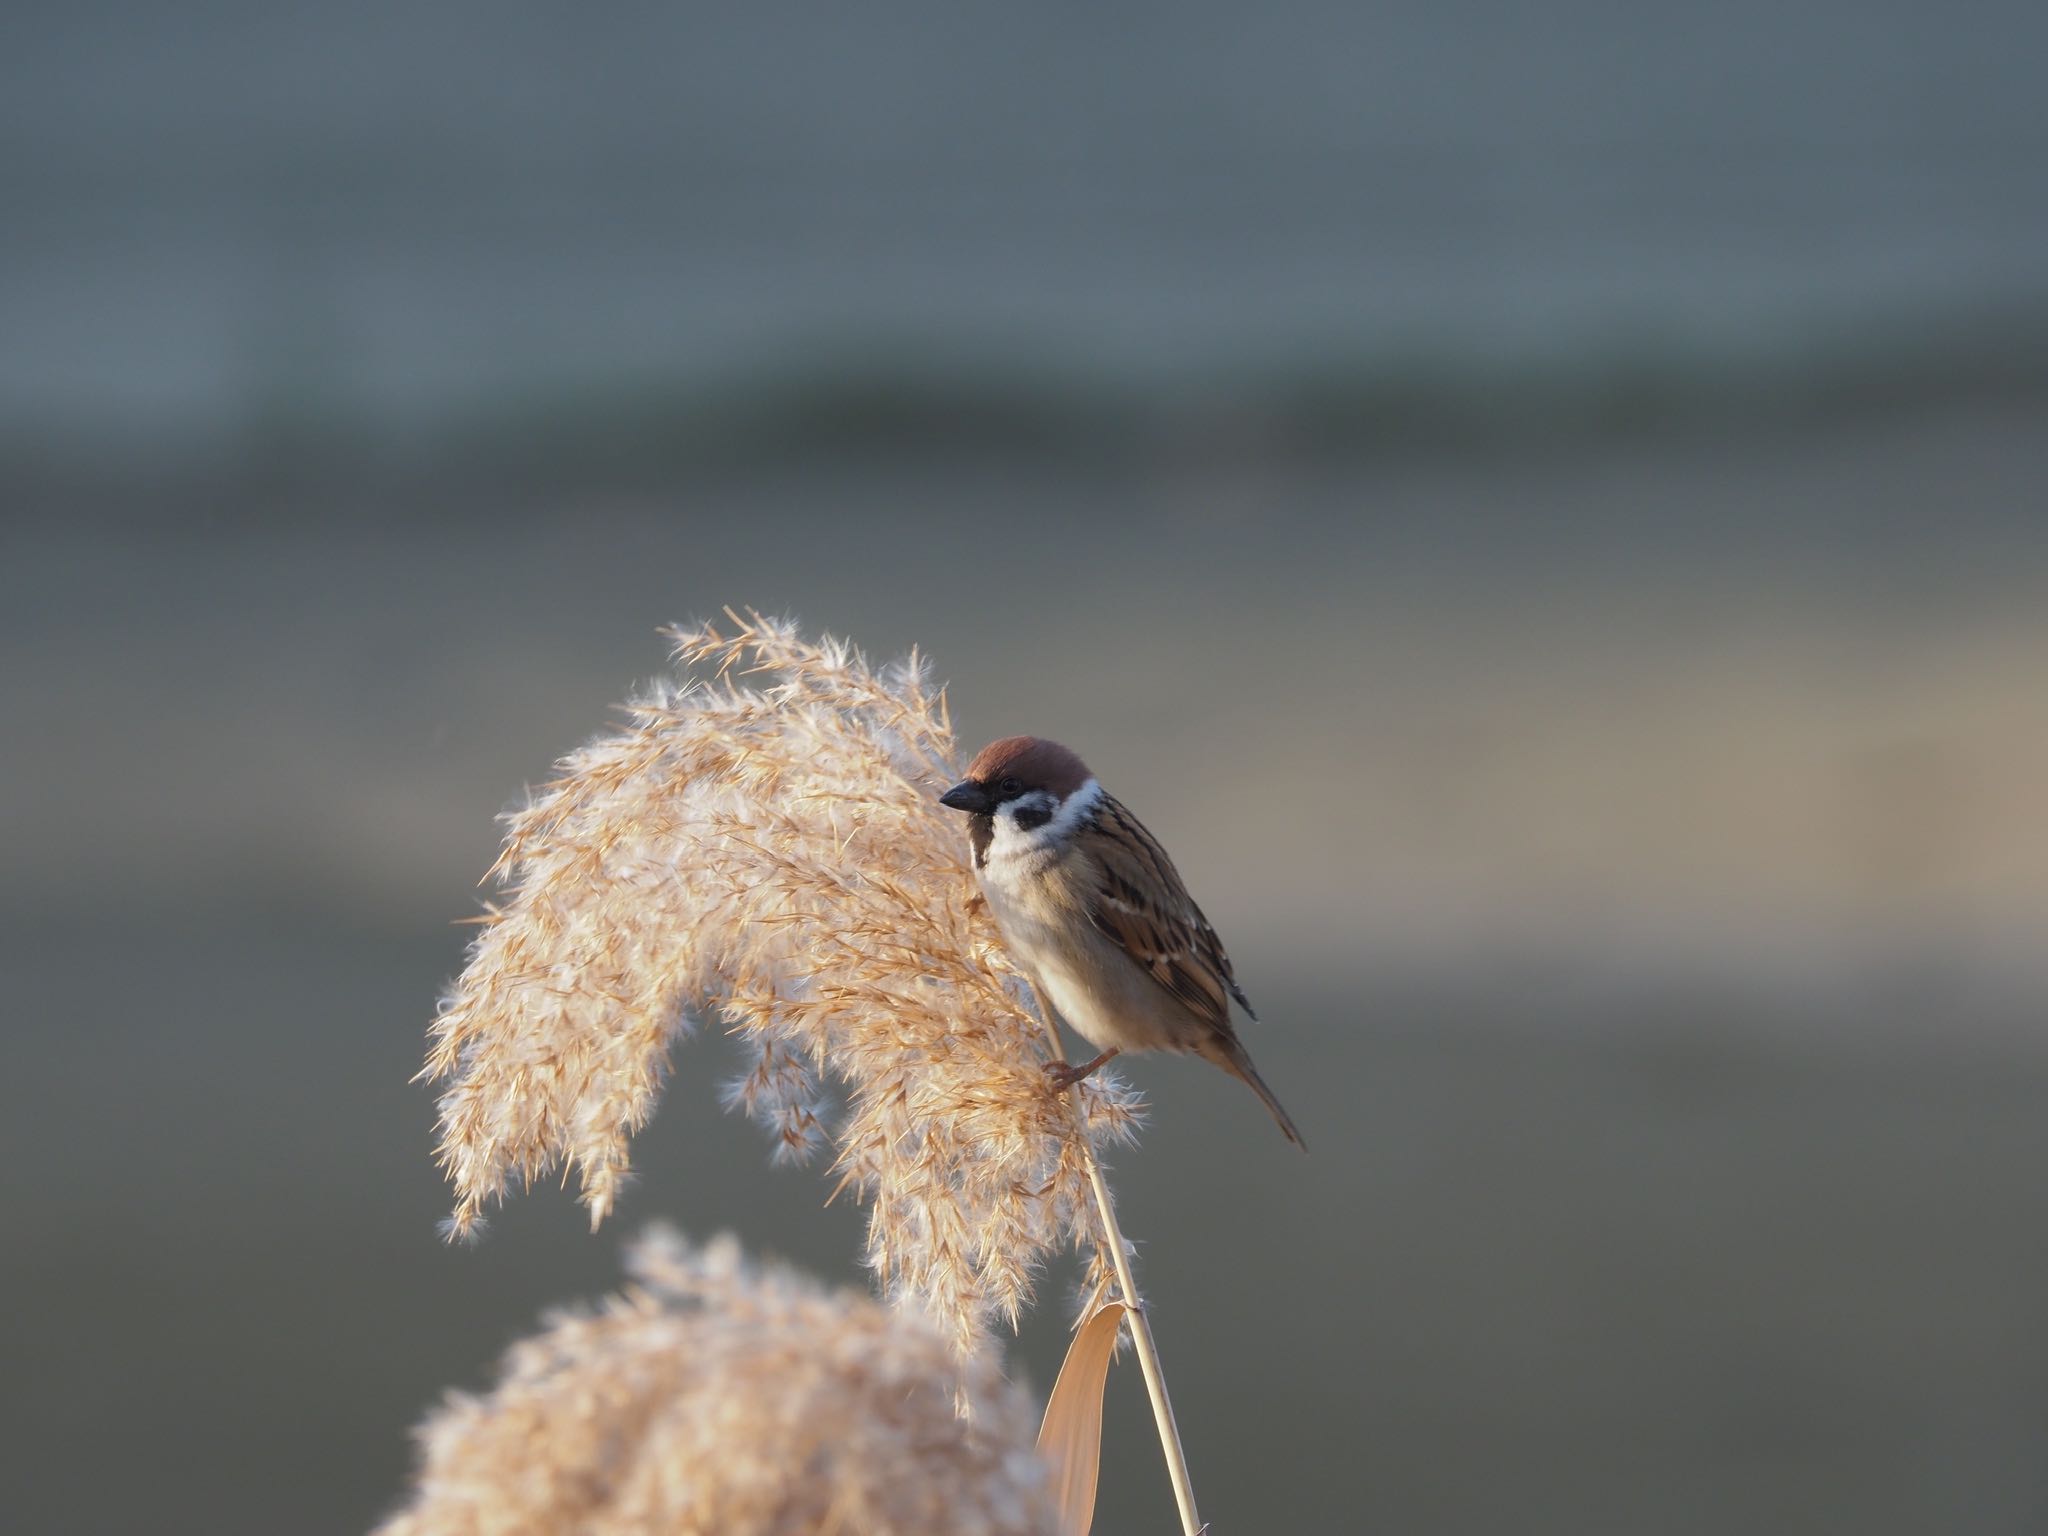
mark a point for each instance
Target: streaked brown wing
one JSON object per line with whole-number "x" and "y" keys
{"x": 1163, "y": 931}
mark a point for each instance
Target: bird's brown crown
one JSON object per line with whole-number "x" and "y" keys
{"x": 1031, "y": 760}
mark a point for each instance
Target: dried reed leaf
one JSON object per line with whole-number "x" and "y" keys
{"x": 1070, "y": 1436}
{"x": 761, "y": 844}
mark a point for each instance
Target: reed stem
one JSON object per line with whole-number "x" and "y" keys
{"x": 1141, "y": 1325}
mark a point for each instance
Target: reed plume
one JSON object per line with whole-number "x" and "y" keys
{"x": 714, "y": 1397}
{"x": 760, "y": 844}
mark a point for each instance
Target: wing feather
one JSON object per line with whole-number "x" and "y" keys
{"x": 1141, "y": 904}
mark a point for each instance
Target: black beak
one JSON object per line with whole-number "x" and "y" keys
{"x": 968, "y": 796}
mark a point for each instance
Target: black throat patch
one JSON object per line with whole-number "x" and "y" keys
{"x": 981, "y": 831}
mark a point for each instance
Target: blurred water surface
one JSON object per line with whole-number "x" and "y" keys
{"x": 399, "y": 225}
{"x": 1542, "y": 510}
{"x": 1642, "y": 909}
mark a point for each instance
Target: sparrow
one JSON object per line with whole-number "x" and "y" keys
{"x": 1093, "y": 911}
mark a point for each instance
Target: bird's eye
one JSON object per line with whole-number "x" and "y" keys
{"x": 1011, "y": 787}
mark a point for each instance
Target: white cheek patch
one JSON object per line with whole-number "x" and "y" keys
{"x": 1080, "y": 805}
{"x": 1018, "y": 841}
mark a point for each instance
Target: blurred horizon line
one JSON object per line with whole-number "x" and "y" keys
{"x": 309, "y": 424}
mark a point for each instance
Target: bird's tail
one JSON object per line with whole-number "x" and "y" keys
{"x": 1233, "y": 1058}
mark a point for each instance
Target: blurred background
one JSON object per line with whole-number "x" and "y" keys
{"x": 1544, "y": 509}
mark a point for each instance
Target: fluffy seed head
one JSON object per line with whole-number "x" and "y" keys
{"x": 761, "y": 844}
{"x": 714, "y": 1397}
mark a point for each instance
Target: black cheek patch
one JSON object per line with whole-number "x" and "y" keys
{"x": 1031, "y": 817}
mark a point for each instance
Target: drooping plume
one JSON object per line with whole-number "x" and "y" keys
{"x": 761, "y": 845}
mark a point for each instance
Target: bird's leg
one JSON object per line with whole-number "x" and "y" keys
{"x": 1062, "y": 1075}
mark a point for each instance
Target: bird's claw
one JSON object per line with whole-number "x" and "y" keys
{"x": 1062, "y": 1075}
